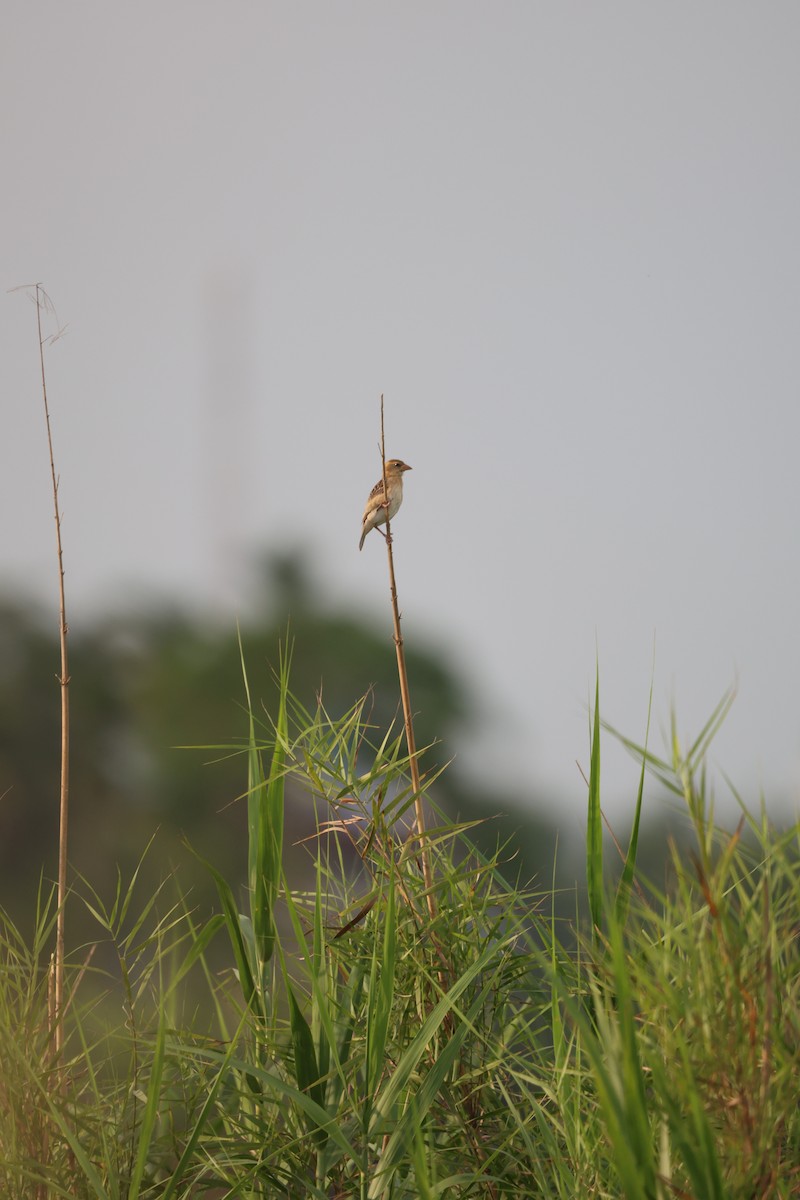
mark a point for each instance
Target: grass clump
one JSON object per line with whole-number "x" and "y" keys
{"x": 359, "y": 1046}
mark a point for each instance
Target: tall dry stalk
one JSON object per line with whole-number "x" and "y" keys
{"x": 42, "y": 300}
{"x": 405, "y": 696}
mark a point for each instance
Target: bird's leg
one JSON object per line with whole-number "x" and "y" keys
{"x": 385, "y": 506}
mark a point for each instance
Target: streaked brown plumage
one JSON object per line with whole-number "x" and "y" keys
{"x": 375, "y": 512}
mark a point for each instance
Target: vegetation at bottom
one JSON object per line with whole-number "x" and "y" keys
{"x": 374, "y": 1038}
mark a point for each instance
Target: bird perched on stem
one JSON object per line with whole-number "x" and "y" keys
{"x": 377, "y": 505}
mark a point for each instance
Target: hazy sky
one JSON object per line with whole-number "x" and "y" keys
{"x": 564, "y": 241}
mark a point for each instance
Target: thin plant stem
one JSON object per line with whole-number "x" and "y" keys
{"x": 63, "y": 679}
{"x": 405, "y": 696}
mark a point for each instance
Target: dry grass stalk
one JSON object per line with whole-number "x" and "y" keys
{"x": 42, "y": 300}
{"x": 405, "y": 696}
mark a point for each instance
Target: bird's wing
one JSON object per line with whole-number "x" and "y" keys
{"x": 374, "y": 501}
{"x": 376, "y": 491}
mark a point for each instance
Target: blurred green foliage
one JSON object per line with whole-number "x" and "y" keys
{"x": 158, "y": 715}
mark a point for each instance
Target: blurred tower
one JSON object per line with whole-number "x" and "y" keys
{"x": 229, "y": 460}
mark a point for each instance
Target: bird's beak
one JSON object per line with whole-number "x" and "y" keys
{"x": 406, "y": 467}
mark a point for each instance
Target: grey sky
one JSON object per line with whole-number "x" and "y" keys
{"x": 561, "y": 239}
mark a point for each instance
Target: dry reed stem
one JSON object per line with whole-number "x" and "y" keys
{"x": 405, "y": 696}
{"x": 63, "y": 679}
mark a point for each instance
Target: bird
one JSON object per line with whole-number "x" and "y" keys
{"x": 375, "y": 511}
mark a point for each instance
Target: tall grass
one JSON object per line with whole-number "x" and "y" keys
{"x": 356, "y": 1047}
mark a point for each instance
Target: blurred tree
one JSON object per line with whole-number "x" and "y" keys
{"x": 147, "y": 687}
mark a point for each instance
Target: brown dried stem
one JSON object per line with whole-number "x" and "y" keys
{"x": 405, "y": 696}
{"x": 63, "y": 679}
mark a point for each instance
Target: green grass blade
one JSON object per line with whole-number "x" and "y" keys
{"x": 265, "y": 798}
{"x": 233, "y": 924}
{"x": 305, "y": 1064}
{"x": 381, "y": 994}
{"x": 151, "y": 1108}
{"x": 594, "y": 822}
{"x": 626, "y": 881}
